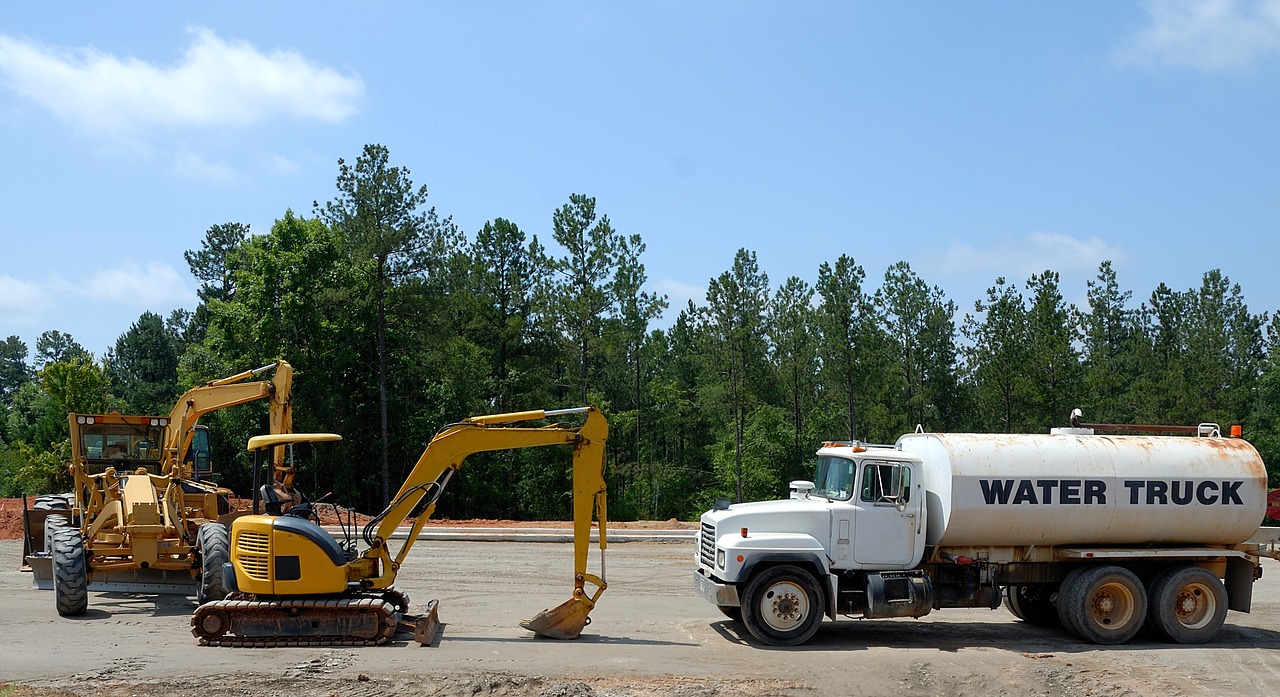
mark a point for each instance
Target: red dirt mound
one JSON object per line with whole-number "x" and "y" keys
{"x": 11, "y": 520}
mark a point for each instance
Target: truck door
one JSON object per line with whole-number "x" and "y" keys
{"x": 887, "y": 514}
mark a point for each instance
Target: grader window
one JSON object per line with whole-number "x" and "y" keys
{"x": 117, "y": 444}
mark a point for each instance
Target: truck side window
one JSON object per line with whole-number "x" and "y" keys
{"x": 885, "y": 483}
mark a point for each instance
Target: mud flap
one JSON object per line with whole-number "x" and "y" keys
{"x": 565, "y": 621}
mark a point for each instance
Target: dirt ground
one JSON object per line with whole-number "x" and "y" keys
{"x": 650, "y": 636}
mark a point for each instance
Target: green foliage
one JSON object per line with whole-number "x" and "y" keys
{"x": 54, "y": 347}
{"x": 25, "y": 469}
{"x": 14, "y": 371}
{"x": 211, "y": 263}
{"x": 144, "y": 366}
{"x": 77, "y": 385}
{"x": 396, "y": 325}
{"x": 997, "y": 358}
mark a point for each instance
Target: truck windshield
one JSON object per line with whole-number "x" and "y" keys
{"x": 833, "y": 478}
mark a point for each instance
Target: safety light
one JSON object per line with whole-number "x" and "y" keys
{"x": 744, "y": 532}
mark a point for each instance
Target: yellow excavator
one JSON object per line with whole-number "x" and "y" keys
{"x": 293, "y": 584}
{"x": 142, "y": 519}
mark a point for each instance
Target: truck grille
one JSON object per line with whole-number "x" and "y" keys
{"x": 707, "y": 545}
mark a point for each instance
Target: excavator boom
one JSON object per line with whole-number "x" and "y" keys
{"x": 228, "y": 392}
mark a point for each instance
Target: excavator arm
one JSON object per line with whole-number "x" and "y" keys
{"x": 228, "y": 392}
{"x": 444, "y": 456}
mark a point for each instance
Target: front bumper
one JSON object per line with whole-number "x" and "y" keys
{"x": 714, "y": 592}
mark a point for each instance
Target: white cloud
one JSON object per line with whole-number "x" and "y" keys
{"x": 679, "y": 294}
{"x": 22, "y": 303}
{"x": 1205, "y": 35}
{"x": 278, "y": 164}
{"x": 126, "y": 284}
{"x": 216, "y": 83}
{"x": 193, "y": 166}
{"x": 1017, "y": 259}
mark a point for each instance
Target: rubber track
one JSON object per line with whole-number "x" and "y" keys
{"x": 237, "y": 605}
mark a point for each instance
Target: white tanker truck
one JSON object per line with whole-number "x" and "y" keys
{"x": 1100, "y": 534}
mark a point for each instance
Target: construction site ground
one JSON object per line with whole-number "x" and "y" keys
{"x": 650, "y": 636}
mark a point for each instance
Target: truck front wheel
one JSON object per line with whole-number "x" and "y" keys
{"x": 1102, "y": 604}
{"x": 1188, "y": 605}
{"x": 782, "y": 606}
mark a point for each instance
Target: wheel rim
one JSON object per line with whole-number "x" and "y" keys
{"x": 1112, "y": 606}
{"x": 1194, "y": 606}
{"x": 784, "y": 606}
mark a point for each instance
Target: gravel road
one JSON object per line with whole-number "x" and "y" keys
{"x": 650, "y": 636}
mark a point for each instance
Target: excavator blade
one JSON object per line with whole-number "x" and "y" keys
{"x": 565, "y": 621}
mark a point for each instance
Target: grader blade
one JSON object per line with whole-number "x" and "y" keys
{"x": 565, "y": 621}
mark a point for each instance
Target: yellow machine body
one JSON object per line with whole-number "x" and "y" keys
{"x": 287, "y": 558}
{"x": 137, "y": 502}
{"x": 270, "y": 554}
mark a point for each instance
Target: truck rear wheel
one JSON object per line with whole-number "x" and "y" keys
{"x": 1032, "y": 604}
{"x": 214, "y": 545}
{"x": 1102, "y": 604}
{"x": 782, "y": 606}
{"x": 1188, "y": 605}
{"x": 70, "y": 574}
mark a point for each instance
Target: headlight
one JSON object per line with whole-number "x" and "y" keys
{"x": 720, "y": 558}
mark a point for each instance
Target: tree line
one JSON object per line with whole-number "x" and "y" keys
{"x": 397, "y": 323}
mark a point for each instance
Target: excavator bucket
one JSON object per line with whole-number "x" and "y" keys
{"x": 565, "y": 621}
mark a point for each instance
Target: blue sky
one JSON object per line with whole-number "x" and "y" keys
{"x": 973, "y": 140}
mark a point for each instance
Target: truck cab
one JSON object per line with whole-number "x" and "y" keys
{"x": 844, "y": 542}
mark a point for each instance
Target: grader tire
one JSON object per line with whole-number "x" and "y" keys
{"x": 213, "y": 543}
{"x": 51, "y": 525}
{"x": 70, "y": 573}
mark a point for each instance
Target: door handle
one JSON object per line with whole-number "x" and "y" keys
{"x": 908, "y": 515}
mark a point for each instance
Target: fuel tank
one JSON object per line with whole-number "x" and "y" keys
{"x": 1078, "y": 489}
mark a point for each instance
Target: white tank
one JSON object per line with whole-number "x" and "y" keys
{"x": 999, "y": 489}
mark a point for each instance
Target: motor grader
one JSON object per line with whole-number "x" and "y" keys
{"x": 144, "y": 517}
{"x": 291, "y": 583}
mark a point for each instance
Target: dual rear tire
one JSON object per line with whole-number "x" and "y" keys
{"x": 1109, "y": 604}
